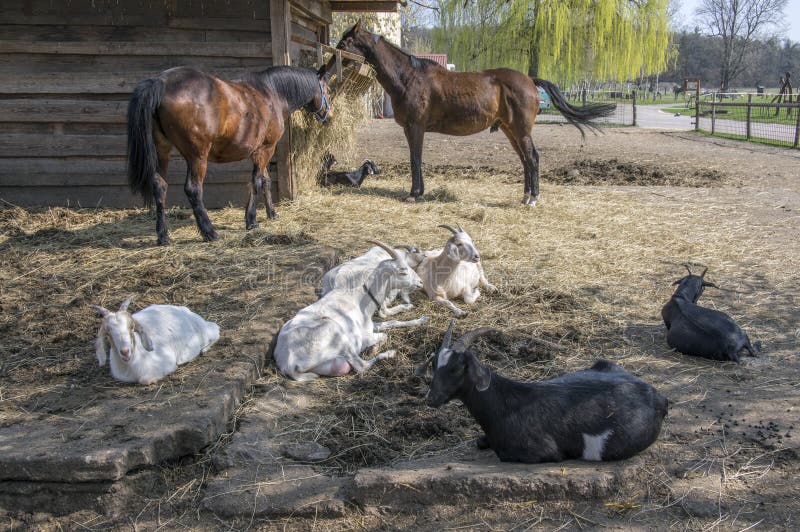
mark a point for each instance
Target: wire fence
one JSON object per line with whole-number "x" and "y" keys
{"x": 624, "y": 114}
{"x": 753, "y": 117}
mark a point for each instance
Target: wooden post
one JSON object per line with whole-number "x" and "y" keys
{"x": 634, "y": 107}
{"x": 280, "y": 18}
{"x": 320, "y": 57}
{"x": 338, "y": 67}
{"x": 797, "y": 126}
{"x": 713, "y": 117}
{"x": 697, "y": 107}
{"x": 749, "y": 113}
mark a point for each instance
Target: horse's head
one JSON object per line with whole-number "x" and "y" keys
{"x": 357, "y": 40}
{"x": 320, "y": 104}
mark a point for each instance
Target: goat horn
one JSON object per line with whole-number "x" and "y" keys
{"x": 448, "y": 336}
{"x": 461, "y": 229}
{"x": 687, "y": 268}
{"x": 463, "y": 343}
{"x": 704, "y": 272}
{"x": 445, "y": 226}
{"x": 128, "y": 300}
{"x": 100, "y": 310}
{"x": 392, "y": 253}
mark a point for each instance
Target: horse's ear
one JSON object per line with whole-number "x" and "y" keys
{"x": 357, "y": 26}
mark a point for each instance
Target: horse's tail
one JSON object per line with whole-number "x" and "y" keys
{"x": 142, "y": 155}
{"x": 577, "y": 116}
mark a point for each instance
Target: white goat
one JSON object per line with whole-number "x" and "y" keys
{"x": 454, "y": 271}
{"x": 327, "y": 337}
{"x": 149, "y": 345}
{"x": 354, "y": 273}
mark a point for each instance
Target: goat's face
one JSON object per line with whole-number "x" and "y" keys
{"x": 119, "y": 334}
{"x": 402, "y": 276}
{"x": 371, "y": 167}
{"x": 460, "y": 247}
{"x": 454, "y": 371}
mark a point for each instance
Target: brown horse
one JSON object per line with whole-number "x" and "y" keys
{"x": 428, "y": 97}
{"x": 209, "y": 119}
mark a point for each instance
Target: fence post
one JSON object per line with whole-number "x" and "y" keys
{"x": 797, "y": 127}
{"x": 634, "y": 110}
{"x": 713, "y": 117}
{"x": 749, "y": 113}
{"x": 697, "y": 108}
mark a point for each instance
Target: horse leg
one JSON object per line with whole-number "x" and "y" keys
{"x": 261, "y": 160}
{"x": 163, "y": 148}
{"x": 529, "y": 150}
{"x": 195, "y": 173}
{"x": 526, "y": 166}
{"x": 415, "y": 134}
{"x": 250, "y": 217}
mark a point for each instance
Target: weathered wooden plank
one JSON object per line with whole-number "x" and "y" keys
{"x": 386, "y": 7}
{"x": 22, "y": 65}
{"x": 212, "y": 49}
{"x": 318, "y": 10}
{"x": 34, "y": 110}
{"x": 21, "y": 145}
{"x": 90, "y": 171}
{"x": 241, "y": 9}
{"x": 215, "y": 196}
{"x": 216, "y": 23}
{"x": 281, "y": 30}
{"x": 87, "y": 83}
{"x": 51, "y": 33}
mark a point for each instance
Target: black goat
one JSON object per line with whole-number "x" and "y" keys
{"x": 698, "y": 331}
{"x": 351, "y": 179}
{"x": 603, "y": 413}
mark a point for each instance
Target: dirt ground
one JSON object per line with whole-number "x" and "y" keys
{"x": 582, "y": 276}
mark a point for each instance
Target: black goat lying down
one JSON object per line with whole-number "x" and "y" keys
{"x": 603, "y": 413}
{"x": 351, "y": 179}
{"x": 699, "y": 331}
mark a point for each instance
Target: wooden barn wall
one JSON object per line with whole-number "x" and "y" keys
{"x": 66, "y": 73}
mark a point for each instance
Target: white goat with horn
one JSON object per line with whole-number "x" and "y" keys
{"x": 149, "y": 345}
{"x": 354, "y": 273}
{"x": 327, "y": 337}
{"x": 454, "y": 271}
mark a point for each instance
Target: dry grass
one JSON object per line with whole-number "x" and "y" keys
{"x": 582, "y": 276}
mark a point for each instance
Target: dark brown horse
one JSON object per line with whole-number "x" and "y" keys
{"x": 428, "y": 97}
{"x": 209, "y": 119}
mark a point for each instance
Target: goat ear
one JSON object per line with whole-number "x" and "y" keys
{"x": 709, "y": 283}
{"x": 125, "y": 304}
{"x": 100, "y": 345}
{"x": 676, "y": 282}
{"x": 146, "y": 343}
{"x": 424, "y": 369}
{"x": 104, "y": 312}
{"x": 478, "y": 373}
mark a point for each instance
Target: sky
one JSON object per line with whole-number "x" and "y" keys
{"x": 792, "y": 17}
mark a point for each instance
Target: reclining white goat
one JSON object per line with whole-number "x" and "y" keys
{"x": 454, "y": 271}
{"x": 150, "y": 344}
{"x": 327, "y": 337}
{"x": 354, "y": 273}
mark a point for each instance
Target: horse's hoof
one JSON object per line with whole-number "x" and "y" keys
{"x": 164, "y": 241}
{"x": 411, "y": 199}
{"x": 252, "y": 226}
{"x": 273, "y": 215}
{"x": 210, "y": 237}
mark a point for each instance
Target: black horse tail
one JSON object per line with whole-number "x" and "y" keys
{"x": 577, "y": 116}
{"x": 142, "y": 156}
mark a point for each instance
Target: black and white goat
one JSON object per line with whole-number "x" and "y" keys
{"x": 603, "y": 413}
{"x": 698, "y": 331}
{"x": 350, "y": 179}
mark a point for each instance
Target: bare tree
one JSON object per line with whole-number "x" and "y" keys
{"x": 738, "y": 23}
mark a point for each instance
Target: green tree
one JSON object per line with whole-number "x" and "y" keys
{"x": 564, "y": 40}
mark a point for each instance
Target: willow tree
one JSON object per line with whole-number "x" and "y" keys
{"x": 564, "y": 40}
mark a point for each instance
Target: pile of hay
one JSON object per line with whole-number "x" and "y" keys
{"x": 350, "y": 107}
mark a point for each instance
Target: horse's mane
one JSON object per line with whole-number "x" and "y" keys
{"x": 416, "y": 62}
{"x": 295, "y": 84}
